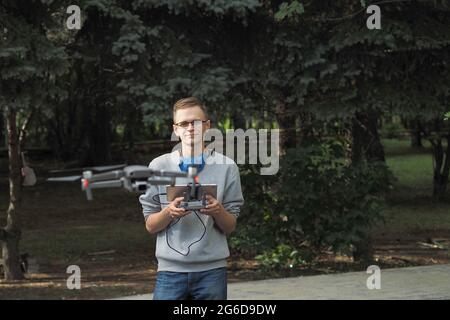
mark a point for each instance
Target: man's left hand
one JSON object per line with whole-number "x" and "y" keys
{"x": 213, "y": 208}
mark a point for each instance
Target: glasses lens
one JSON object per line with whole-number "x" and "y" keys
{"x": 185, "y": 124}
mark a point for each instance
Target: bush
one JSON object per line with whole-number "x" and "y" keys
{"x": 316, "y": 202}
{"x": 284, "y": 257}
{"x": 256, "y": 219}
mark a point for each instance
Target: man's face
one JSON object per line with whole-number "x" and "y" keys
{"x": 190, "y": 124}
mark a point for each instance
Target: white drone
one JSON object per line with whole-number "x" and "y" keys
{"x": 135, "y": 178}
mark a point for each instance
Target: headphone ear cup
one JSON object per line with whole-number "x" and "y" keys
{"x": 183, "y": 166}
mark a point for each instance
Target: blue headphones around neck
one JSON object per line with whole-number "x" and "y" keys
{"x": 186, "y": 161}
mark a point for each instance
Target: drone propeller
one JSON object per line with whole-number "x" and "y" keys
{"x": 79, "y": 176}
{"x": 64, "y": 179}
{"x": 95, "y": 168}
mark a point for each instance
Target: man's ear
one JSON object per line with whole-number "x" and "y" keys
{"x": 175, "y": 129}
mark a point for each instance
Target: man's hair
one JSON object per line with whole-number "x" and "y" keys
{"x": 189, "y": 103}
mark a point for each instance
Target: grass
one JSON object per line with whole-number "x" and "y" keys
{"x": 403, "y": 147}
{"x": 414, "y": 174}
{"x": 73, "y": 244}
{"x": 416, "y": 218}
{"x": 410, "y": 206}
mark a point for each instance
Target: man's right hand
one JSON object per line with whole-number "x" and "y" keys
{"x": 159, "y": 221}
{"x": 173, "y": 209}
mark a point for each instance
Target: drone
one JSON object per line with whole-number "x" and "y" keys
{"x": 136, "y": 178}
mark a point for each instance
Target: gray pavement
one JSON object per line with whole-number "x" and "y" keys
{"x": 428, "y": 282}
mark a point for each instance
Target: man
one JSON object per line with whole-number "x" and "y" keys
{"x": 191, "y": 246}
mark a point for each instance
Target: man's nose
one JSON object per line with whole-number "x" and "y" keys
{"x": 193, "y": 126}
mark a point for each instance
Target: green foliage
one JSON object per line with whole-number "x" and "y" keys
{"x": 393, "y": 69}
{"x": 30, "y": 61}
{"x": 289, "y": 10}
{"x": 333, "y": 205}
{"x": 447, "y": 115}
{"x": 213, "y": 7}
{"x": 256, "y": 214}
{"x": 316, "y": 203}
{"x": 163, "y": 50}
{"x": 249, "y": 55}
{"x": 284, "y": 257}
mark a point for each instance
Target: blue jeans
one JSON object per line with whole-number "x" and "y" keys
{"x": 203, "y": 285}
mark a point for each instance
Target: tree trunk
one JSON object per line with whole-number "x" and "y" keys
{"x": 10, "y": 235}
{"x": 439, "y": 187}
{"x": 101, "y": 138}
{"x": 238, "y": 120}
{"x": 2, "y": 130}
{"x": 416, "y": 134}
{"x": 286, "y": 123}
{"x": 364, "y": 251}
{"x": 129, "y": 130}
{"x": 366, "y": 145}
{"x": 366, "y": 142}
{"x": 441, "y": 167}
{"x": 306, "y": 127}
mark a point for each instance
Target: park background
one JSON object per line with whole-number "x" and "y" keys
{"x": 364, "y": 140}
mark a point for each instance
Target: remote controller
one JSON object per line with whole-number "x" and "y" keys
{"x": 193, "y": 205}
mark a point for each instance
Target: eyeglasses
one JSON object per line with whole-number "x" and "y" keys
{"x": 185, "y": 124}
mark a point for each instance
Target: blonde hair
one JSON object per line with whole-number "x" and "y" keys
{"x": 189, "y": 102}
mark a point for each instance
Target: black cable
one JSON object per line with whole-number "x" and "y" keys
{"x": 154, "y": 198}
{"x": 189, "y": 247}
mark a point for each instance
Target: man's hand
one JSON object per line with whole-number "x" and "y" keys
{"x": 160, "y": 220}
{"x": 173, "y": 211}
{"x": 223, "y": 219}
{"x": 213, "y": 208}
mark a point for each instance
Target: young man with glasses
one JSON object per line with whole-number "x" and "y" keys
{"x": 191, "y": 246}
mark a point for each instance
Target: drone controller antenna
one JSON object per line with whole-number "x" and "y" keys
{"x": 192, "y": 172}
{"x": 85, "y": 184}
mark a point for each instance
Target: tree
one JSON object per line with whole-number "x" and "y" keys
{"x": 361, "y": 74}
{"x": 30, "y": 63}
{"x": 437, "y": 132}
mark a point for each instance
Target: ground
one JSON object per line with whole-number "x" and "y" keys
{"x": 107, "y": 239}
{"x": 411, "y": 283}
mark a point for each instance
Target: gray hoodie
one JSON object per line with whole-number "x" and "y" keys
{"x": 185, "y": 246}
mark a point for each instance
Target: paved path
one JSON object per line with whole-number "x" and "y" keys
{"x": 429, "y": 282}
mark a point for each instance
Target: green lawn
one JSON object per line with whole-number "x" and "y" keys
{"x": 414, "y": 174}
{"x": 403, "y": 147}
{"x": 410, "y": 207}
{"x": 73, "y": 244}
{"x": 407, "y": 218}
